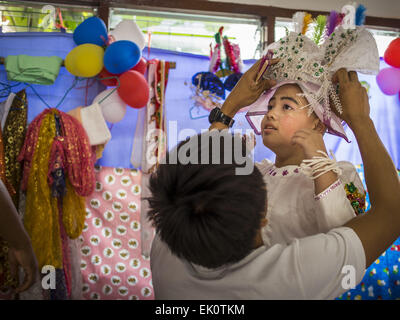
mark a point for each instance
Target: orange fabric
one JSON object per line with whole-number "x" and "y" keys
{"x": 76, "y": 113}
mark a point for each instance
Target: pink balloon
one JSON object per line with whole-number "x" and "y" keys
{"x": 388, "y": 80}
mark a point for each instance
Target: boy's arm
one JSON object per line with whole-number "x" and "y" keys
{"x": 378, "y": 228}
{"x": 311, "y": 141}
{"x": 332, "y": 209}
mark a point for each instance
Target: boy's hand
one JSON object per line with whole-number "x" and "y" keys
{"x": 353, "y": 97}
{"x": 247, "y": 90}
{"x": 310, "y": 141}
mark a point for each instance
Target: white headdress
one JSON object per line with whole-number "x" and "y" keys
{"x": 312, "y": 66}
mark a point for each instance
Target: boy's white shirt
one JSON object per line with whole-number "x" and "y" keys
{"x": 293, "y": 209}
{"x": 322, "y": 266}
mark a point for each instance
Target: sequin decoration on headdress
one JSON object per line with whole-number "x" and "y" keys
{"x": 58, "y": 171}
{"x": 311, "y": 66}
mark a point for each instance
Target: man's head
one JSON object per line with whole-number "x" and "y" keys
{"x": 206, "y": 213}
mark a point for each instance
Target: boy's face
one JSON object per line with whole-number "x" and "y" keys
{"x": 285, "y": 116}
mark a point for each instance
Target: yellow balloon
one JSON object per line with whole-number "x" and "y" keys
{"x": 69, "y": 62}
{"x": 86, "y": 60}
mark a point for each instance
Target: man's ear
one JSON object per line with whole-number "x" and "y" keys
{"x": 264, "y": 222}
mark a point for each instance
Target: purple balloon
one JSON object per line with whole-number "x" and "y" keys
{"x": 388, "y": 80}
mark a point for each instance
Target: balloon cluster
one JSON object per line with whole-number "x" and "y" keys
{"x": 388, "y": 79}
{"x": 116, "y": 59}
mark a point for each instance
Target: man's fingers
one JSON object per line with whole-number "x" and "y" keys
{"x": 13, "y": 263}
{"x": 256, "y": 65}
{"x": 365, "y": 91}
{"x": 274, "y": 61}
{"x": 341, "y": 76}
{"x": 353, "y": 76}
{"x": 29, "y": 279}
{"x": 269, "y": 83}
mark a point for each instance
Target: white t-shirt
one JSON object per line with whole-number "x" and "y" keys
{"x": 308, "y": 268}
{"x": 293, "y": 209}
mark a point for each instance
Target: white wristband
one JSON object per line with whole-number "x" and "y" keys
{"x": 317, "y": 166}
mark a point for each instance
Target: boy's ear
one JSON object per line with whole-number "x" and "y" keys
{"x": 319, "y": 126}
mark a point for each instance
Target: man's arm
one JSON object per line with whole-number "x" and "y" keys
{"x": 246, "y": 91}
{"x": 12, "y": 230}
{"x": 378, "y": 228}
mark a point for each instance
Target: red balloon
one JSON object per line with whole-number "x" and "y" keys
{"x": 392, "y": 53}
{"x": 141, "y": 66}
{"x": 134, "y": 90}
{"x": 112, "y": 82}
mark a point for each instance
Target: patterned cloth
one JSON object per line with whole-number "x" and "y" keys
{"x": 382, "y": 278}
{"x": 12, "y": 136}
{"x": 150, "y": 142}
{"x": 112, "y": 265}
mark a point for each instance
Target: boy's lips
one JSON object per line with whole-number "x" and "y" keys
{"x": 268, "y": 128}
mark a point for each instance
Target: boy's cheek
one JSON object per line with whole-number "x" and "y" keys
{"x": 288, "y": 127}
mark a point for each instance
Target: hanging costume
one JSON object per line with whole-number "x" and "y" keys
{"x": 58, "y": 172}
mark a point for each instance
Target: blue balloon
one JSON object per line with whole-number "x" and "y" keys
{"x": 92, "y": 30}
{"x": 120, "y": 56}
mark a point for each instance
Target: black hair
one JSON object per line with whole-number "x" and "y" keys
{"x": 206, "y": 213}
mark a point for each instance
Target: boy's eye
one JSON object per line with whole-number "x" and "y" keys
{"x": 287, "y": 107}
{"x": 269, "y": 107}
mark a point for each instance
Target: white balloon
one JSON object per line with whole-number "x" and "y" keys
{"x": 129, "y": 30}
{"x": 112, "y": 107}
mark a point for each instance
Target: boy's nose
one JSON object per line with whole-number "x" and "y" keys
{"x": 271, "y": 115}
